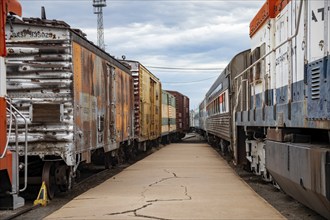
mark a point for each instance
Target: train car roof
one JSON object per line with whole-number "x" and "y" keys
{"x": 224, "y": 73}
{"x": 176, "y": 92}
{"x": 134, "y": 61}
{"x": 77, "y": 35}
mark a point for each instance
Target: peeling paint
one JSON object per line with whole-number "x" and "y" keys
{"x": 76, "y": 97}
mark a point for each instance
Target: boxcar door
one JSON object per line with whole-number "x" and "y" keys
{"x": 111, "y": 109}
{"x": 152, "y": 108}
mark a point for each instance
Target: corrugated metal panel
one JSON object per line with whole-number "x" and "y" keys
{"x": 66, "y": 87}
{"x": 39, "y": 72}
{"x": 91, "y": 82}
{"x": 147, "y": 102}
{"x": 124, "y": 106}
{"x": 219, "y": 125}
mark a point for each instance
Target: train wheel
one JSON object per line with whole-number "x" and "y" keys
{"x": 48, "y": 175}
{"x": 130, "y": 152}
{"x": 107, "y": 160}
{"x": 61, "y": 177}
{"x": 121, "y": 155}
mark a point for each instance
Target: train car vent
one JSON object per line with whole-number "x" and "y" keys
{"x": 316, "y": 82}
{"x": 46, "y": 113}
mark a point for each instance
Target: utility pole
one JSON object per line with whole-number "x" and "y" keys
{"x": 98, "y": 5}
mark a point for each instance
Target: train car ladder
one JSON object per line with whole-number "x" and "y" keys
{"x": 14, "y": 201}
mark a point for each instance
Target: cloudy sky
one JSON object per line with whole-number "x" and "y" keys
{"x": 198, "y": 37}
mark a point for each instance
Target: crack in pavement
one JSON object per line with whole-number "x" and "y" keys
{"x": 164, "y": 179}
{"x": 151, "y": 202}
{"x": 152, "y": 217}
{"x": 173, "y": 200}
{"x": 129, "y": 211}
{"x": 139, "y": 215}
{"x": 174, "y": 174}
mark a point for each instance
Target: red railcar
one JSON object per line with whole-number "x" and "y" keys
{"x": 9, "y": 181}
{"x": 182, "y": 113}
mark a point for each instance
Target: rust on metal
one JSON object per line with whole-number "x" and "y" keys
{"x": 147, "y": 102}
{"x": 76, "y": 97}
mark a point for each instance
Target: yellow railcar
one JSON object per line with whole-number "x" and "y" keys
{"x": 147, "y": 101}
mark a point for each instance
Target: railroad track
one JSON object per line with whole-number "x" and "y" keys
{"x": 91, "y": 176}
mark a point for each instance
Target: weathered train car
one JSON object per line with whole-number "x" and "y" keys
{"x": 182, "y": 113}
{"x": 196, "y": 126}
{"x": 202, "y": 117}
{"x": 147, "y": 105}
{"x": 168, "y": 118}
{"x": 76, "y": 97}
{"x": 218, "y": 124}
{"x": 9, "y": 164}
{"x": 284, "y": 128}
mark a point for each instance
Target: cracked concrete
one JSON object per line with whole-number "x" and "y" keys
{"x": 134, "y": 210}
{"x": 181, "y": 181}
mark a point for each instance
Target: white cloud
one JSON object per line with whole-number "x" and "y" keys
{"x": 203, "y": 34}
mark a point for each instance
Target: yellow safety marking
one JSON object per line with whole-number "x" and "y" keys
{"x": 42, "y": 196}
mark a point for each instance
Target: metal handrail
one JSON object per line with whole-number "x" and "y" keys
{"x": 14, "y": 112}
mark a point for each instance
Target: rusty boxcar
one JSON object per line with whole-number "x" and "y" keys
{"x": 168, "y": 117}
{"x": 147, "y": 104}
{"x": 76, "y": 97}
{"x": 182, "y": 113}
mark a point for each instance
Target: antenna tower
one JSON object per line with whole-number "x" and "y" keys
{"x": 98, "y": 5}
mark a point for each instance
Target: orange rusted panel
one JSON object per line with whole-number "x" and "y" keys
{"x": 6, "y": 162}
{"x": 279, "y": 6}
{"x": 124, "y": 105}
{"x": 270, "y": 9}
{"x": 90, "y": 85}
{"x": 13, "y": 6}
{"x": 3, "y": 127}
{"x": 267, "y": 11}
{"x": 7, "y": 6}
{"x": 104, "y": 97}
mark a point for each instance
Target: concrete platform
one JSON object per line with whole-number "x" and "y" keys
{"x": 180, "y": 181}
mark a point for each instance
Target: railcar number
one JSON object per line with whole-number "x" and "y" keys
{"x": 316, "y": 16}
{"x": 33, "y": 34}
